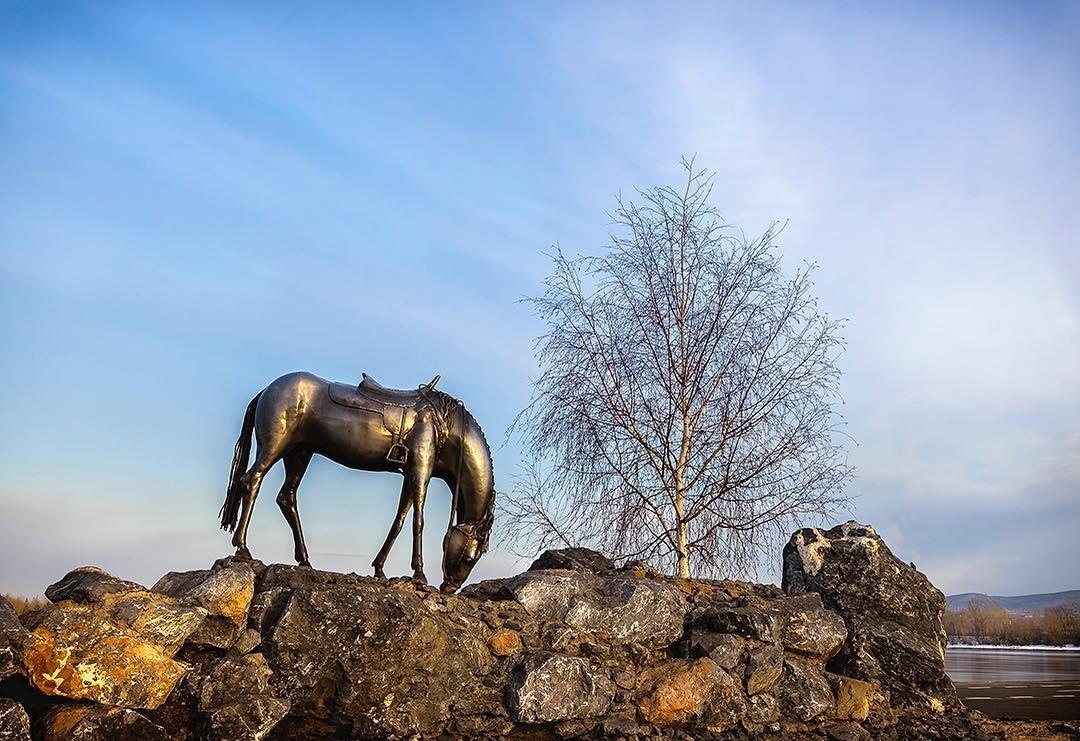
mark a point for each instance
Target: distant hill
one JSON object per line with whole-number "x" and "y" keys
{"x": 1025, "y": 604}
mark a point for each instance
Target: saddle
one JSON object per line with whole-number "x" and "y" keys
{"x": 397, "y": 407}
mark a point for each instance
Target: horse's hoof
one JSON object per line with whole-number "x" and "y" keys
{"x": 419, "y": 578}
{"x": 380, "y": 574}
{"x": 243, "y": 554}
{"x": 305, "y": 564}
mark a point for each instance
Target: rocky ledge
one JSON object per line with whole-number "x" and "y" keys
{"x": 851, "y": 648}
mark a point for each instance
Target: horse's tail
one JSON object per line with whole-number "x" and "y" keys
{"x": 233, "y": 495}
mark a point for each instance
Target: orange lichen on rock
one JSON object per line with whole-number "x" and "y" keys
{"x": 504, "y": 642}
{"x": 680, "y": 691}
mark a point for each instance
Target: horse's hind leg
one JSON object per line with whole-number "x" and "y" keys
{"x": 296, "y": 464}
{"x": 251, "y": 481}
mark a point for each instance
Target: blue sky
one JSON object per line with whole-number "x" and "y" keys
{"x": 198, "y": 198}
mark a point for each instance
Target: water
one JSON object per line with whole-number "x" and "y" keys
{"x": 982, "y": 665}
{"x": 1017, "y": 683}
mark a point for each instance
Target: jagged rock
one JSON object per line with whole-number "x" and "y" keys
{"x": 97, "y": 723}
{"x": 745, "y": 621}
{"x": 13, "y": 637}
{"x": 893, "y": 612}
{"x": 331, "y": 642}
{"x": 804, "y": 694}
{"x": 853, "y": 697}
{"x": 619, "y": 609}
{"x": 75, "y": 651}
{"x": 847, "y": 732}
{"x": 89, "y": 584}
{"x": 763, "y": 708}
{"x": 281, "y": 652}
{"x": 155, "y": 618}
{"x": 14, "y": 722}
{"x": 546, "y": 687}
{"x": 237, "y": 702}
{"x": 677, "y": 692}
{"x": 764, "y": 665}
{"x": 225, "y": 593}
{"x": 807, "y": 627}
{"x": 573, "y": 559}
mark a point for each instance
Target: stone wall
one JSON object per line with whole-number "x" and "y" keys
{"x": 576, "y": 647}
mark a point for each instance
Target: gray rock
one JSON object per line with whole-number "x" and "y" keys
{"x": 746, "y": 621}
{"x": 237, "y": 702}
{"x": 763, "y": 708}
{"x": 574, "y": 559}
{"x": 97, "y": 723}
{"x": 619, "y": 609}
{"x": 547, "y": 687}
{"x": 13, "y": 639}
{"x": 89, "y": 584}
{"x": 764, "y": 665}
{"x": 804, "y": 693}
{"x": 14, "y": 722}
{"x": 893, "y": 612}
{"x": 370, "y": 654}
{"x": 820, "y": 633}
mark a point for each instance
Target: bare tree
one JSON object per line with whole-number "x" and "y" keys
{"x": 684, "y": 414}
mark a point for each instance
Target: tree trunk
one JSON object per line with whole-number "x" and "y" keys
{"x": 680, "y": 536}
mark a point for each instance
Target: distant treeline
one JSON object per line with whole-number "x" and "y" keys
{"x": 982, "y": 623}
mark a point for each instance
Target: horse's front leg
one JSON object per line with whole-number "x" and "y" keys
{"x": 422, "y": 461}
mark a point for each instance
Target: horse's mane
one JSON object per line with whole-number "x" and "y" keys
{"x": 448, "y": 407}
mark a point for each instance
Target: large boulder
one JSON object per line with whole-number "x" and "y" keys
{"x": 383, "y": 659}
{"x": 236, "y": 700}
{"x": 892, "y": 612}
{"x": 75, "y": 651}
{"x": 88, "y": 584}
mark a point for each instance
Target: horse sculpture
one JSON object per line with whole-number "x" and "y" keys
{"x": 420, "y": 434}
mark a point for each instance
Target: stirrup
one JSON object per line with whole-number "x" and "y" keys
{"x": 398, "y": 454}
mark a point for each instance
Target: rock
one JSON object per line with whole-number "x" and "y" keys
{"x": 97, "y": 723}
{"x": 248, "y": 641}
{"x": 892, "y": 612}
{"x": 745, "y": 621}
{"x": 504, "y": 642}
{"x": 625, "y": 610}
{"x": 848, "y": 732}
{"x": 804, "y": 694}
{"x": 75, "y": 651}
{"x": 619, "y": 609}
{"x": 546, "y": 687}
{"x": 14, "y": 722}
{"x": 13, "y": 638}
{"x": 155, "y": 618}
{"x": 723, "y": 648}
{"x": 574, "y": 559}
{"x": 853, "y": 697}
{"x": 225, "y": 593}
{"x": 813, "y": 630}
{"x": 332, "y": 641}
{"x": 764, "y": 666}
{"x": 89, "y": 584}
{"x": 677, "y": 692}
{"x": 237, "y": 701}
{"x": 763, "y": 708}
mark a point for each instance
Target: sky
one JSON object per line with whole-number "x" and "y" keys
{"x": 197, "y": 198}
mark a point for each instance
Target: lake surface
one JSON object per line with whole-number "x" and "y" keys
{"x": 1017, "y": 683}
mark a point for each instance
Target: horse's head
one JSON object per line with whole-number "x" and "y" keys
{"x": 462, "y": 547}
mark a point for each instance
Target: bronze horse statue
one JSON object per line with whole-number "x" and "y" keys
{"x": 420, "y": 434}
